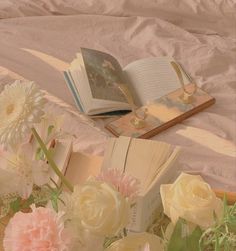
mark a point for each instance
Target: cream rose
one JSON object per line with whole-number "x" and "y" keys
{"x": 137, "y": 242}
{"x": 192, "y": 199}
{"x": 101, "y": 209}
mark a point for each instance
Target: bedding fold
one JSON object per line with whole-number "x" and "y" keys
{"x": 215, "y": 17}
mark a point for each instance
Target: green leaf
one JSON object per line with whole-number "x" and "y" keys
{"x": 54, "y": 203}
{"x": 217, "y": 243}
{"x": 16, "y": 205}
{"x": 193, "y": 239}
{"x": 177, "y": 243}
{"x": 28, "y": 202}
{"x": 54, "y": 197}
{"x": 225, "y": 206}
{"x": 181, "y": 241}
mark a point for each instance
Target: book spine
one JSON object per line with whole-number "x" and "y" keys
{"x": 136, "y": 221}
{"x": 149, "y": 203}
{"x": 73, "y": 90}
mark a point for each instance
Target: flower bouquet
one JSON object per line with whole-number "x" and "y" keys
{"x": 38, "y": 213}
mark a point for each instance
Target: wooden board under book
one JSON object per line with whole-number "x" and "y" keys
{"x": 162, "y": 114}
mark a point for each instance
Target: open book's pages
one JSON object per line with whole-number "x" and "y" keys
{"x": 162, "y": 113}
{"x": 153, "y": 163}
{"x": 142, "y": 159}
{"x": 151, "y": 78}
{"x": 94, "y": 77}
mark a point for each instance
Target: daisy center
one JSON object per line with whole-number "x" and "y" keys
{"x": 10, "y": 109}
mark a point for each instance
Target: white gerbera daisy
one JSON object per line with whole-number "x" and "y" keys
{"x": 21, "y": 106}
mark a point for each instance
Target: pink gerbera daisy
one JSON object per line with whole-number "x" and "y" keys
{"x": 127, "y": 185}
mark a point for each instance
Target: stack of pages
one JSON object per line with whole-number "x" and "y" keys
{"x": 153, "y": 163}
{"x": 145, "y": 160}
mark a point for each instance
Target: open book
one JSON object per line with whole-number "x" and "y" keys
{"x": 142, "y": 159}
{"x": 94, "y": 77}
{"x": 153, "y": 163}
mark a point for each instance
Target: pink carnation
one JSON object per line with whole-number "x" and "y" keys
{"x": 40, "y": 230}
{"x": 127, "y": 185}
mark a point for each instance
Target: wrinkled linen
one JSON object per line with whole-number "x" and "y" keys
{"x": 39, "y": 38}
{"x": 211, "y": 17}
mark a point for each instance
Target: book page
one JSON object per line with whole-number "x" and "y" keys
{"x": 152, "y": 155}
{"x": 152, "y": 78}
{"x": 90, "y": 104}
{"x": 103, "y": 72}
{"x": 142, "y": 159}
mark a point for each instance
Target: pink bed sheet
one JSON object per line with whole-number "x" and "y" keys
{"x": 39, "y": 38}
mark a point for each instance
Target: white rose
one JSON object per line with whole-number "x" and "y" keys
{"x": 100, "y": 208}
{"x": 137, "y": 242}
{"x": 192, "y": 199}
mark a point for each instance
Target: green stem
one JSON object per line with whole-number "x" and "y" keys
{"x": 51, "y": 161}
